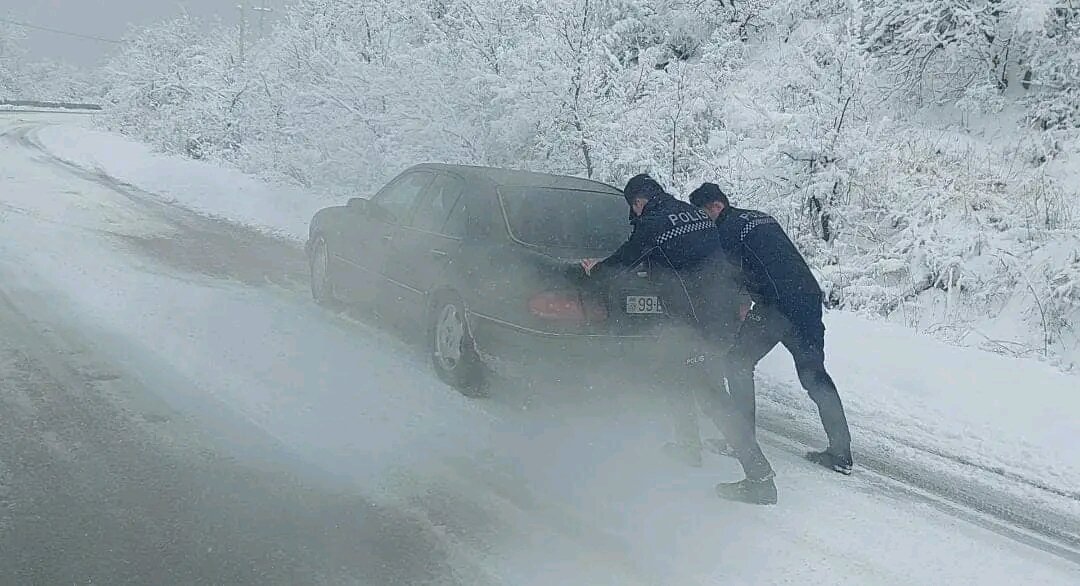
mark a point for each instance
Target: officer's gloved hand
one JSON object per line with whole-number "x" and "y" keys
{"x": 587, "y": 264}
{"x": 745, "y": 309}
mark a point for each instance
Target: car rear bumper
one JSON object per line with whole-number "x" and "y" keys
{"x": 511, "y": 341}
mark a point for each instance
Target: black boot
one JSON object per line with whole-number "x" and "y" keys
{"x": 754, "y": 492}
{"x": 833, "y": 419}
{"x": 833, "y": 461}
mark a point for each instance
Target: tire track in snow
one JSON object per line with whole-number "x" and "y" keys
{"x": 964, "y": 496}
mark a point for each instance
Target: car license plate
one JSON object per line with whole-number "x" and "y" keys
{"x": 649, "y": 304}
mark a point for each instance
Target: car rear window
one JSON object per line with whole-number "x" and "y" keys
{"x": 566, "y": 218}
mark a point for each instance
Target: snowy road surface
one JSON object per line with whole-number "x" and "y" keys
{"x": 174, "y": 409}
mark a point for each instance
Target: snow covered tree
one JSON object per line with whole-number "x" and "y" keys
{"x": 59, "y": 82}
{"x": 12, "y": 57}
{"x": 154, "y": 86}
{"x": 801, "y": 106}
{"x": 572, "y": 79}
{"x": 1054, "y": 66}
{"x": 934, "y": 48}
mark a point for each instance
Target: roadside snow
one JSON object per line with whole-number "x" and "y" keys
{"x": 1016, "y": 417}
{"x": 207, "y": 188}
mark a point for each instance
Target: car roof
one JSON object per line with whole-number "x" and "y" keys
{"x": 513, "y": 178}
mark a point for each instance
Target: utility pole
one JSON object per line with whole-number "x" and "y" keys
{"x": 243, "y": 33}
{"x": 262, "y": 10}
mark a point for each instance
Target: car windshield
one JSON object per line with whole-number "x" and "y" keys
{"x": 566, "y": 218}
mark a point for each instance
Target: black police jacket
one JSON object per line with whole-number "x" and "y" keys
{"x": 775, "y": 272}
{"x": 670, "y": 232}
{"x": 681, "y": 247}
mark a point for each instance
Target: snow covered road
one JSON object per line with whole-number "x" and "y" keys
{"x": 173, "y": 408}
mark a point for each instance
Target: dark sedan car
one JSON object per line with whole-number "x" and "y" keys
{"x": 480, "y": 259}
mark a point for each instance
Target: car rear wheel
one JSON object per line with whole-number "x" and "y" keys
{"x": 322, "y": 284}
{"x": 453, "y": 351}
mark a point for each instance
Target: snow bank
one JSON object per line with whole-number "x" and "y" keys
{"x": 1010, "y": 416}
{"x": 204, "y": 187}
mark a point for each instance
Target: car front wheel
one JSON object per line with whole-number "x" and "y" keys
{"x": 453, "y": 352}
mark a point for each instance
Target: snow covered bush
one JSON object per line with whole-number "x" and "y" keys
{"x": 57, "y": 81}
{"x": 11, "y": 61}
{"x": 169, "y": 85}
{"x": 42, "y": 80}
{"x": 933, "y": 49}
{"x": 1054, "y": 68}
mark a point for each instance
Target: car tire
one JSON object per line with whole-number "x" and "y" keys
{"x": 322, "y": 282}
{"x": 453, "y": 350}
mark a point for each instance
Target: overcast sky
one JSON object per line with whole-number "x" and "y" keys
{"x": 109, "y": 19}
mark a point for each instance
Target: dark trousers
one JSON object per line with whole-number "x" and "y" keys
{"x": 733, "y": 406}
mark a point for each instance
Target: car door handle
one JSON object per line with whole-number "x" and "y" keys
{"x": 439, "y": 253}
{"x": 387, "y": 238}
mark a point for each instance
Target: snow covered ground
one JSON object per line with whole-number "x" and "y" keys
{"x": 542, "y": 484}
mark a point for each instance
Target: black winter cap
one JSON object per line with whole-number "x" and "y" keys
{"x": 641, "y": 186}
{"x": 708, "y": 193}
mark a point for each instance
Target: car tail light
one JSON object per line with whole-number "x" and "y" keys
{"x": 566, "y": 306}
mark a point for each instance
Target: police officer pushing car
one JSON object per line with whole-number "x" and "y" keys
{"x": 788, "y": 302}
{"x": 701, "y": 288}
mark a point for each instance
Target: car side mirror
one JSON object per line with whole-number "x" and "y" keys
{"x": 358, "y": 204}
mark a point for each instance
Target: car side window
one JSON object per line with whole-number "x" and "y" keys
{"x": 437, "y": 203}
{"x": 399, "y": 198}
{"x": 470, "y": 217}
